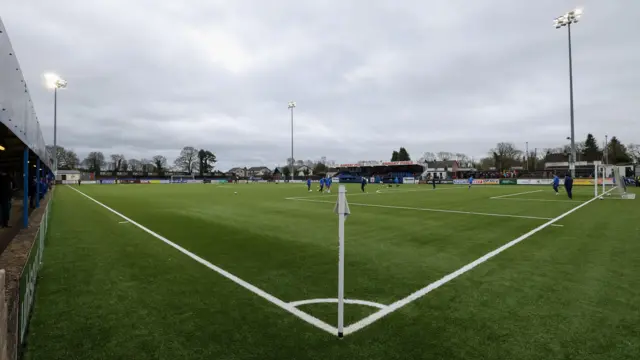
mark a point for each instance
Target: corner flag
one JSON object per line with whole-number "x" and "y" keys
{"x": 336, "y": 209}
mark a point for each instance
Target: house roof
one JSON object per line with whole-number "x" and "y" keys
{"x": 258, "y": 168}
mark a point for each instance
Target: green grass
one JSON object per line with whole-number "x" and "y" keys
{"x": 112, "y": 291}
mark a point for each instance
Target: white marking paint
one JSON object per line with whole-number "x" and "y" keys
{"x": 379, "y": 191}
{"x": 543, "y": 200}
{"x": 335, "y": 301}
{"x": 516, "y": 194}
{"x": 123, "y": 222}
{"x": 427, "y": 289}
{"x": 427, "y": 209}
{"x": 263, "y": 294}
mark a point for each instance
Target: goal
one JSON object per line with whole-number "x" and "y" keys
{"x": 181, "y": 179}
{"x": 609, "y": 184}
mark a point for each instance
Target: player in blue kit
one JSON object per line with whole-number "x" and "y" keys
{"x": 556, "y": 183}
{"x": 321, "y": 184}
{"x": 363, "y": 183}
{"x": 470, "y": 181}
{"x": 327, "y": 183}
{"x": 568, "y": 185}
{"x": 396, "y": 181}
{"x": 309, "y": 185}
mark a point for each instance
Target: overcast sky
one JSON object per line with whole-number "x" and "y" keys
{"x": 148, "y": 77}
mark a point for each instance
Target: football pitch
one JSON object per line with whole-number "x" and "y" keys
{"x": 249, "y": 271}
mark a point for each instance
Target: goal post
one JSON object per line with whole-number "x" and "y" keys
{"x": 610, "y": 184}
{"x": 181, "y": 179}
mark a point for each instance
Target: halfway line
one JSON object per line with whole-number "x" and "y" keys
{"x": 427, "y": 289}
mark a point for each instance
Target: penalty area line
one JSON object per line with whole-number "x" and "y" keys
{"x": 254, "y": 289}
{"x": 429, "y": 210}
{"x": 516, "y": 194}
{"x": 427, "y": 289}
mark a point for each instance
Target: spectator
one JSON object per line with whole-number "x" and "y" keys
{"x": 5, "y": 199}
{"x": 32, "y": 193}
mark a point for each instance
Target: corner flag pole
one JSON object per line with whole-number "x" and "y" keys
{"x": 342, "y": 211}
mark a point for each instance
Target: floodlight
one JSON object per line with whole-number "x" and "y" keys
{"x": 571, "y": 17}
{"x": 53, "y": 81}
{"x": 292, "y": 104}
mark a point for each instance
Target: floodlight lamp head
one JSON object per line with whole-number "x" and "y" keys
{"x": 292, "y": 104}
{"x": 53, "y": 81}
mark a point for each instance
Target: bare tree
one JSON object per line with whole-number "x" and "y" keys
{"x": 116, "y": 162}
{"x": 444, "y": 156}
{"x": 505, "y": 155}
{"x": 634, "y": 152}
{"x": 187, "y": 160}
{"x": 94, "y": 161}
{"x": 135, "y": 165}
{"x": 158, "y": 161}
{"x": 427, "y": 157}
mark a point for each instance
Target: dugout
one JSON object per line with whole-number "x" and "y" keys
{"x": 23, "y": 154}
{"x": 381, "y": 171}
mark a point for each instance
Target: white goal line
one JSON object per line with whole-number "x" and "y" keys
{"x": 254, "y": 289}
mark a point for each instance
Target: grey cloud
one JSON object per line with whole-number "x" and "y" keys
{"x": 149, "y": 77}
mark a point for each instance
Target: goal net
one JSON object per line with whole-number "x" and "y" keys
{"x": 181, "y": 179}
{"x": 610, "y": 184}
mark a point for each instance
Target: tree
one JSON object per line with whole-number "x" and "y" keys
{"x": 617, "y": 152}
{"x": 463, "y": 158}
{"x": 286, "y": 171}
{"x": 124, "y": 166}
{"x": 306, "y": 171}
{"x": 395, "y": 156}
{"x": 159, "y": 161}
{"x": 116, "y": 162}
{"x": 444, "y": 156}
{"x": 403, "y": 155}
{"x": 310, "y": 164}
{"x": 505, "y": 156}
{"x": 94, "y": 161}
{"x": 634, "y": 152}
{"x": 486, "y": 164}
{"x": 320, "y": 169}
{"x": 206, "y": 159}
{"x": 591, "y": 150}
{"x": 427, "y": 157}
{"x": 70, "y": 160}
{"x": 135, "y": 165}
{"x": 187, "y": 160}
{"x": 67, "y": 159}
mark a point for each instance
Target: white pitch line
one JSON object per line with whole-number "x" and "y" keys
{"x": 335, "y": 301}
{"x": 427, "y": 289}
{"x": 547, "y": 200}
{"x": 429, "y": 210}
{"x": 123, "y": 222}
{"x": 379, "y": 191}
{"x": 516, "y": 194}
{"x": 263, "y": 294}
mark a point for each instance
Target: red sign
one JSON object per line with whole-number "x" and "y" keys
{"x": 398, "y": 163}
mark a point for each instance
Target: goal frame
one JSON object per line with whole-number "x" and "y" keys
{"x": 601, "y": 171}
{"x": 173, "y": 177}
